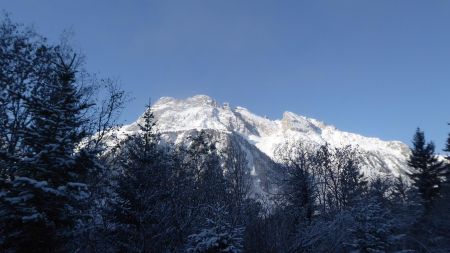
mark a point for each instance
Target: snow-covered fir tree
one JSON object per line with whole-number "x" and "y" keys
{"x": 427, "y": 170}
{"x": 46, "y": 190}
{"x": 208, "y": 174}
{"x": 216, "y": 235}
{"x": 371, "y": 229}
{"x": 139, "y": 209}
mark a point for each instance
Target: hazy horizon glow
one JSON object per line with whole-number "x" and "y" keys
{"x": 376, "y": 68}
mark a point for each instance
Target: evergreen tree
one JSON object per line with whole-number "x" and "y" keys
{"x": 298, "y": 191}
{"x": 447, "y": 145}
{"x": 140, "y": 210}
{"x": 352, "y": 184}
{"x": 204, "y": 165}
{"x": 46, "y": 193}
{"x": 25, "y": 64}
{"x": 446, "y": 183}
{"x": 372, "y": 227}
{"x": 439, "y": 222}
{"x": 217, "y": 235}
{"x": 427, "y": 170}
{"x": 44, "y": 169}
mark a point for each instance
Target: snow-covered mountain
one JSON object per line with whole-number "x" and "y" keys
{"x": 261, "y": 137}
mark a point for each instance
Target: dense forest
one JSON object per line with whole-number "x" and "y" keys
{"x": 63, "y": 189}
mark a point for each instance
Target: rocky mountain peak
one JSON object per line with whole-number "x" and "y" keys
{"x": 177, "y": 118}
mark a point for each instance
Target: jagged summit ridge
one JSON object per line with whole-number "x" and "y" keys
{"x": 202, "y": 112}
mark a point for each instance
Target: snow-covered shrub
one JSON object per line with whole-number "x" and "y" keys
{"x": 218, "y": 235}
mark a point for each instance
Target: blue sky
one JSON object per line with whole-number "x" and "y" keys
{"x": 378, "y": 68}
